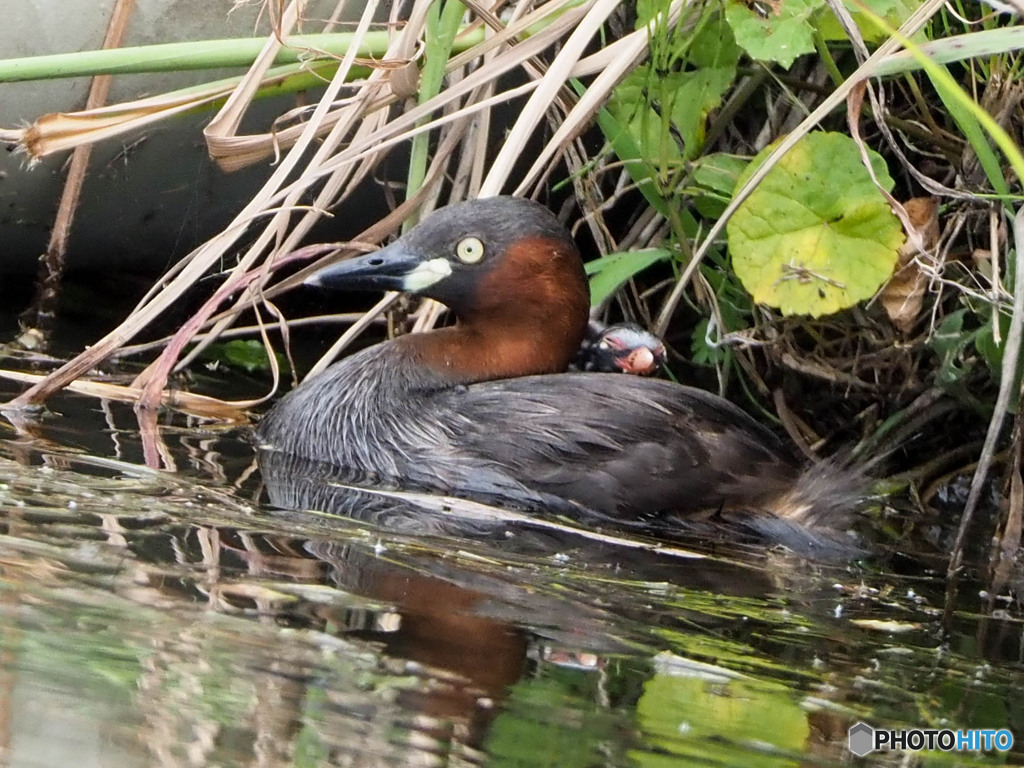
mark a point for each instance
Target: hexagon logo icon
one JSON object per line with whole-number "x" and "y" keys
{"x": 861, "y": 739}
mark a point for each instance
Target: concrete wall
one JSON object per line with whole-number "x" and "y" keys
{"x": 148, "y": 198}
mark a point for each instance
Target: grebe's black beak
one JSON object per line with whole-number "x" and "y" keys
{"x": 393, "y": 268}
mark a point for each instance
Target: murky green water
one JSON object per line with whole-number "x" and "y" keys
{"x": 151, "y": 618}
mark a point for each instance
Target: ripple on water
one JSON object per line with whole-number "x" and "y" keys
{"x": 151, "y": 617}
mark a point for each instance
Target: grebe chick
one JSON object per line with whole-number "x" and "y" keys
{"x": 619, "y": 348}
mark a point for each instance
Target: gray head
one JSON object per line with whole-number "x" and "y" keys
{"x": 464, "y": 253}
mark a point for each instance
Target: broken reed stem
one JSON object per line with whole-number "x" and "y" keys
{"x": 43, "y": 309}
{"x": 365, "y": 103}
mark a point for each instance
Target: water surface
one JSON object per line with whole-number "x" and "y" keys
{"x": 177, "y": 618}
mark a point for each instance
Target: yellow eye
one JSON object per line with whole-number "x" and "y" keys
{"x": 469, "y": 250}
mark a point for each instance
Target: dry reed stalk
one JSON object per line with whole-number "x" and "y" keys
{"x": 355, "y": 133}
{"x": 186, "y": 402}
{"x": 51, "y": 271}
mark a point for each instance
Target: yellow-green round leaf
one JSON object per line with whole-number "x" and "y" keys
{"x": 816, "y": 236}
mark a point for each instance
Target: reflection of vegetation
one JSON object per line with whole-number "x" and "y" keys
{"x": 187, "y": 683}
{"x": 84, "y": 649}
{"x": 554, "y": 720}
{"x": 691, "y": 714}
{"x": 117, "y": 630}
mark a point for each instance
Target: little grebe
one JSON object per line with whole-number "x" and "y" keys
{"x": 485, "y": 408}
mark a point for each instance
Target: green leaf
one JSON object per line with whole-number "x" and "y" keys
{"x": 691, "y": 96}
{"x": 816, "y": 236}
{"x": 992, "y": 353}
{"x": 715, "y": 177}
{"x": 985, "y": 343}
{"x": 658, "y": 106}
{"x": 647, "y": 10}
{"x": 702, "y": 353}
{"x": 733, "y": 310}
{"x": 893, "y": 11}
{"x": 696, "y": 94}
{"x": 248, "y": 355}
{"x": 780, "y": 36}
{"x": 611, "y": 271}
{"x": 719, "y": 172}
{"x": 633, "y": 130}
{"x": 714, "y": 46}
{"x": 948, "y": 342}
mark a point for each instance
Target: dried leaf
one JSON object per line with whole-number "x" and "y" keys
{"x": 60, "y": 131}
{"x": 903, "y": 296}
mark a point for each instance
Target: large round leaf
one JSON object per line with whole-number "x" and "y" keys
{"x": 816, "y": 236}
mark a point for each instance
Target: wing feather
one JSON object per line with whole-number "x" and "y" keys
{"x": 620, "y": 445}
